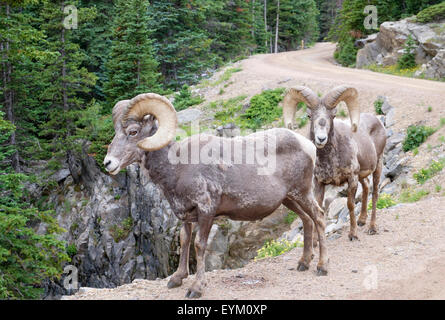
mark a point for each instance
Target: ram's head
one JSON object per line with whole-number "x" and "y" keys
{"x": 145, "y": 123}
{"x": 321, "y": 111}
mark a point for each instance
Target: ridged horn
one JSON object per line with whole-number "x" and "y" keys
{"x": 160, "y": 107}
{"x": 118, "y": 110}
{"x": 350, "y": 96}
{"x": 291, "y": 99}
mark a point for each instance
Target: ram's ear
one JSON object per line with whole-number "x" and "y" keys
{"x": 309, "y": 112}
{"x": 148, "y": 118}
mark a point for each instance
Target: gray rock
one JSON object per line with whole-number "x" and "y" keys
{"x": 386, "y": 47}
{"x": 217, "y": 247}
{"x": 336, "y": 207}
{"x": 390, "y": 119}
{"x": 61, "y": 175}
{"x": 188, "y": 115}
{"x": 394, "y": 141}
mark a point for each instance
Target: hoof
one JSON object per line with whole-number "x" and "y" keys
{"x": 192, "y": 294}
{"x": 361, "y": 224}
{"x": 302, "y": 266}
{"x": 353, "y": 237}
{"x": 372, "y": 231}
{"x": 174, "y": 283}
{"x": 321, "y": 271}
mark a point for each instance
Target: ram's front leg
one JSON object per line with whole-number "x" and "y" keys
{"x": 183, "y": 269}
{"x": 205, "y": 224}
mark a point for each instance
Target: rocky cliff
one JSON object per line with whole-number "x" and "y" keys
{"x": 386, "y": 47}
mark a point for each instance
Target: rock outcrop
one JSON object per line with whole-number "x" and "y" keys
{"x": 386, "y": 47}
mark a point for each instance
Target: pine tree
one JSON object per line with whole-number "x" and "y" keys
{"x": 67, "y": 85}
{"x": 132, "y": 68}
{"x": 26, "y": 257}
{"x": 94, "y": 38}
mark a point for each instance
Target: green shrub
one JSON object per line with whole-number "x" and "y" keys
{"x": 384, "y": 201}
{"x": 412, "y": 196}
{"x": 121, "y": 232}
{"x": 408, "y": 59}
{"x": 275, "y": 248}
{"x": 425, "y": 174}
{"x": 433, "y": 13}
{"x": 346, "y": 54}
{"x": 415, "y": 136}
{"x": 378, "y": 106}
{"x": 264, "y": 108}
{"x": 290, "y": 218}
{"x": 342, "y": 114}
{"x": 71, "y": 250}
{"x": 185, "y": 99}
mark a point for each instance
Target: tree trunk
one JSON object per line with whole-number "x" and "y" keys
{"x": 64, "y": 83}
{"x": 265, "y": 21}
{"x": 253, "y": 19}
{"x": 277, "y": 26}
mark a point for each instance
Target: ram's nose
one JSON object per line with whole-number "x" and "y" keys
{"x": 111, "y": 164}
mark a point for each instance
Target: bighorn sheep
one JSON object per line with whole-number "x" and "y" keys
{"x": 199, "y": 192}
{"x": 345, "y": 153}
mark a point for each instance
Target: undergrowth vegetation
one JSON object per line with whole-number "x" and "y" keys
{"x": 263, "y": 109}
{"x": 425, "y": 174}
{"x": 275, "y": 248}
{"x": 433, "y": 13}
{"x": 385, "y": 201}
{"x": 185, "y": 99}
{"x": 415, "y": 136}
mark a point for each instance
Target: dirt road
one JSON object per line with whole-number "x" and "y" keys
{"x": 315, "y": 68}
{"x": 405, "y": 260}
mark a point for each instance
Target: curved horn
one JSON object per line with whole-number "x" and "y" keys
{"x": 292, "y": 98}
{"x": 162, "y": 109}
{"x": 348, "y": 95}
{"x": 118, "y": 110}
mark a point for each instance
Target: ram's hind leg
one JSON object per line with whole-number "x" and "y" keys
{"x": 375, "y": 195}
{"x": 364, "y": 210}
{"x": 308, "y": 227}
{"x": 352, "y": 190}
{"x": 183, "y": 270}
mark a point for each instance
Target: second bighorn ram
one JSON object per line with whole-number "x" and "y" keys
{"x": 345, "y": 153}
{"x": 228, "y": 185}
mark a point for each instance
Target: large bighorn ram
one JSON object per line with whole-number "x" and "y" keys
{"x": 345, "y": 153}
{"x": 199, "y": 192}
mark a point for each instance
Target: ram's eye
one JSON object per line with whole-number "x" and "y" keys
{"x": 133, "y": 133}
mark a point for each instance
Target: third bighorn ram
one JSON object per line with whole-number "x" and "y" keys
{"x": 345, "y": 153}
{"x": 216, "y": 176}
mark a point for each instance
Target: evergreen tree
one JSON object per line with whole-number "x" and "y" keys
{"x": 349, "y": 24}
{"x": 26, "y": 257}
{"x": 67, "y": 84}
{"x": 20, "y": 57}
{"x": 94, "y": 38}
{"x": 132, "y": 68}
